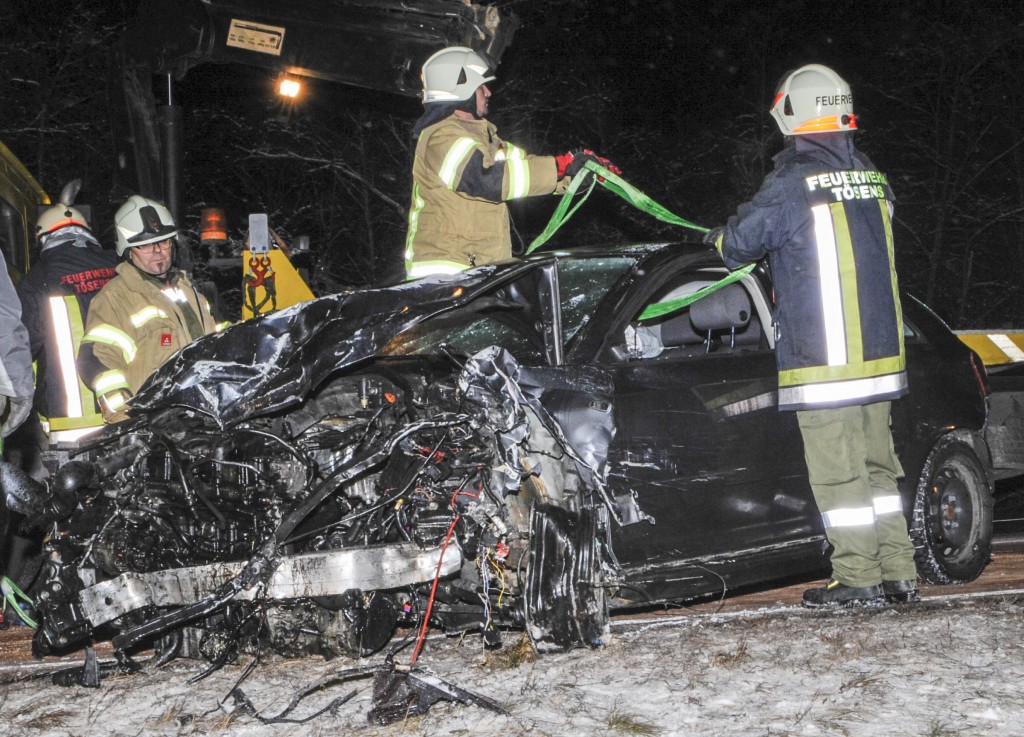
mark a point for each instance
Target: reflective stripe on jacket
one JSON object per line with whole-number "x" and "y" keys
{"x": 463, "y": 174}
{"x": 135, "y": 324}
{"x": 55, "y": 297}
{"x": 823, "y": 219}
{"x": 80, "y": 413}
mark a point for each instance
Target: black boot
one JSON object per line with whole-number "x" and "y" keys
{"x": 834, "y": 593}
{"x": 901, "y": 592}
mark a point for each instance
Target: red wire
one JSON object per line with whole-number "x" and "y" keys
{"x": 437, "y": 574}
{"x": 433, "y": 590}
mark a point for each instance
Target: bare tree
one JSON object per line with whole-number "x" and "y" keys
{"x": 958, "y": 162}
{"x": 55, "y": 60}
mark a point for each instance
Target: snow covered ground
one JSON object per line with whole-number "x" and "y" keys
{"x": 947, "y": 668}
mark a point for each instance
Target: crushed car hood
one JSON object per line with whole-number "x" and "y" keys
{"x": 269, "y": 363}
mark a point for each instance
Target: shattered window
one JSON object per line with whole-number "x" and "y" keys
{"x": 583, "y": 284}
{"x": 466, "y": 332}
{"x": 503, "y": 321}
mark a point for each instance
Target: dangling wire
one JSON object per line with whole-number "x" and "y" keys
{"x": 437, "y": 573}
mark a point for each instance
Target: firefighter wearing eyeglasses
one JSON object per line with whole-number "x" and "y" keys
{"x": 147, "y": 313}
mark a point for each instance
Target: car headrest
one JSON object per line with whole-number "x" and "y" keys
{"x": 724, "y": 309}
{"x": 677, "y": 331}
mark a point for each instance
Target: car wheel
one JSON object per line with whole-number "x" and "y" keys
{"x": 951, "y": 525}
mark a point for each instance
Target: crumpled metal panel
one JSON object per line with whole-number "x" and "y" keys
{"x": 493, "y": 380}
{"x": 564, "y": 603}
{"x": 579, "y": 399}
{"x": 271, "y": 362}
{"x": 296, "y": 576}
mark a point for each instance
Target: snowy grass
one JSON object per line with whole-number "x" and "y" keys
{"x": 944, "y": 669}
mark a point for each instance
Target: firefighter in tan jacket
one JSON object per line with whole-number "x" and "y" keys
{"x": 145, "y": 314}
{"x": 463, "y": 173}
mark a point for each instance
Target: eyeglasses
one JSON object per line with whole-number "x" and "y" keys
{"x": 154, "y": 247}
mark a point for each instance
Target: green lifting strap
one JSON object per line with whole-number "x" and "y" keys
{"x": 11, "y": 594}
{"x": 663, "y": 308}
{"x": 595, "y": 173}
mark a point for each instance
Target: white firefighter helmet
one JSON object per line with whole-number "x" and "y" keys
{"x": 140, "y": 221}
{"x": 62, "y": 214}
{"x": 813, "y": 99}
{"x": 453, "y": 74}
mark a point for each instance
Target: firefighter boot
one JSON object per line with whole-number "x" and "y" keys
{"x": 901, "y": 592}
{"x": 834, "y": 593}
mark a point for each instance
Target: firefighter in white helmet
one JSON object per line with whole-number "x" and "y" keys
{"x": 55, "y": 298}
{"x": 823, "y": 219}
{"x": 148, "y": 312}
{"x": 463, "y": 173}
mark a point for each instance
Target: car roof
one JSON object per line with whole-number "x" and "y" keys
{"x": 638, "y": 250}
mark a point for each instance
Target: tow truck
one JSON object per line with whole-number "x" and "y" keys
{"x": 379, "y": 45}
{"x": 1002, "y": 352}
{"x": 20, "y": 198}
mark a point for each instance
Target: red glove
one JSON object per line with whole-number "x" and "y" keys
{"x": 571, "y": 163}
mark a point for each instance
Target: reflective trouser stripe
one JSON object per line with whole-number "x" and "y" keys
{"x": 850, "y": 465}
{"x": 888, "y": 504}
{"x": 848, "y": 517}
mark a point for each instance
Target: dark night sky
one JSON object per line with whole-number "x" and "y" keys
{"x": 676, "y": 93}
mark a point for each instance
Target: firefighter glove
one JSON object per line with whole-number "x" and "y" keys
{"x": 13, "y": 412}
{"x": 571, "y": 162}
{"x": 115, "y": 405}
{"x": 713, "y": 236}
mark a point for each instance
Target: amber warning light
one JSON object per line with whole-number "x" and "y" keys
{"x": 212, "y": 226}
{"x": 289, "y": 87}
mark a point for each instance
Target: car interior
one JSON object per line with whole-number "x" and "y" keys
{"x": 724, "y": 321}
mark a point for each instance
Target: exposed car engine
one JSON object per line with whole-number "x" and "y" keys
{"x": 387, "y": 499}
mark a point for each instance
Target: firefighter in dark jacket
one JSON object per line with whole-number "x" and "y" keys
{"x": 823, "y": 218}
{"x": 463, "y": 173}
{"x": 55, "y": 297}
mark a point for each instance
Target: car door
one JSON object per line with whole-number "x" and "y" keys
{"x": 699, "y": 438}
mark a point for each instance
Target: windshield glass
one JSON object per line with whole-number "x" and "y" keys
{"x": 506, "y": 316}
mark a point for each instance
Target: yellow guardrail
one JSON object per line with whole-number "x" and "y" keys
{"x": 996, "y": 347}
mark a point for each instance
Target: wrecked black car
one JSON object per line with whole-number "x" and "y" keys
{"x": 529, "y": 445}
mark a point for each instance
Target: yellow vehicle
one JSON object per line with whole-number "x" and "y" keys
{"x": 20, "y": 198}
{"x": 996, "y": 347}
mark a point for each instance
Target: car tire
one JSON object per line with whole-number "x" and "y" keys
{"x": 951, "y": 525}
